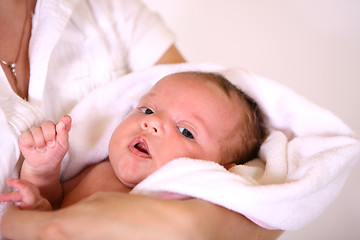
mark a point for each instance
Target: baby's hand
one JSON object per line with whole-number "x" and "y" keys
{"x": 44, "y": 147}
{"x": 28, "y": 195}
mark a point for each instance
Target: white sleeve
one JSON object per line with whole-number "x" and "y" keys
{"x": 16, "y": 116}
{"x": 9, "y": 151}
{"x": 88, "y": 43}
{"x": 147, "y": 36}
{"x": 142, "y": 32}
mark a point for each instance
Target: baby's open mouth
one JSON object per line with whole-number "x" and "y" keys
{"x": 140, "y": 148}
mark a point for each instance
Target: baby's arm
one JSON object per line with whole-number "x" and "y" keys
{"x": 44, "y": 148}
{"x": 27, "y": 195}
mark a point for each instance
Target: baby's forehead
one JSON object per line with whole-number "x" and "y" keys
{"x": 181, "y": 78}
{"x": 192, "y": 84}
{"x": 194, "y": 80}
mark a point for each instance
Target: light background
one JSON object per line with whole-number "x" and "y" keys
{"x": 311, "y": 46}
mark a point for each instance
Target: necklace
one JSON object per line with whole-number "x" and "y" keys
{"x": 12, "y": 65}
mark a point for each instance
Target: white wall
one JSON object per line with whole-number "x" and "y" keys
{"x": 312, "y": 46}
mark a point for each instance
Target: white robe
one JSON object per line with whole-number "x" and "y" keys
{"x": 76, "y": 46}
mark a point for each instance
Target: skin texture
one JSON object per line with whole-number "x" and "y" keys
{"x": 124, "y": 216}
{"x": 13, "y": 25}
{"x": 172, "y": 55}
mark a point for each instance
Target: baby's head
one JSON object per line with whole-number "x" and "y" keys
{"x": 189, "y": 114}
{"x": 242, "y": 143}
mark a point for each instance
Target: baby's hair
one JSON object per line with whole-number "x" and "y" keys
{"x": 254, "y": 129}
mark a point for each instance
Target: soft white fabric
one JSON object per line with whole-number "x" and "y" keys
{"x": 300, "y": 170}
{"x": 16, "y": 115}
{"x": 75, "y": 47}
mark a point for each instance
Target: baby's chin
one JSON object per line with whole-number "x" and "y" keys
{"x": 130, "y": 183}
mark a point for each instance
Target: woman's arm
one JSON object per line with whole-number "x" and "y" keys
{"x": 172, "y": 55}
{"x": 216, "y": 222}
{"x": 124, "y": 216}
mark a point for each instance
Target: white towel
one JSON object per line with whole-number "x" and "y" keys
{"x": 301, "y": 168}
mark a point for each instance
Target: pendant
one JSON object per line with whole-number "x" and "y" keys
{"x": 12, "y": 67}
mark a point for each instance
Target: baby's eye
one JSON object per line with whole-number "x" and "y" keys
{"x": 186, "y": 132}
{"x": 146, "y": 110}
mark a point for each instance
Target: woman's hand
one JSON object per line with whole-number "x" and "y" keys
{"x": 124, "y": 216}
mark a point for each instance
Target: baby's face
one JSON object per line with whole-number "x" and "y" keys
{"x": 181, "y": 116}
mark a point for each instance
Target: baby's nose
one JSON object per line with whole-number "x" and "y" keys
{"x": 153, "y": 125}
{"x": 148, "y": 127}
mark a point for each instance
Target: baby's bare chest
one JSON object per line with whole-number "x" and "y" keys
{"x": 99, "y": 178}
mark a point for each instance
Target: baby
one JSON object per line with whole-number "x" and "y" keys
{"x": 188, "y": 114}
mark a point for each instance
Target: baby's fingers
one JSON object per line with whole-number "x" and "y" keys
{"x": 38, "y": 137}
{"x": 64, "y": 123}
{"x": 48, "y": 131}
{"x": 27, "y": 194}
{"x": 16, "y": 196}
{"x": 10, "y": 197}
{"x": 26, "y": 140}
{"x": 62, "y": 131}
